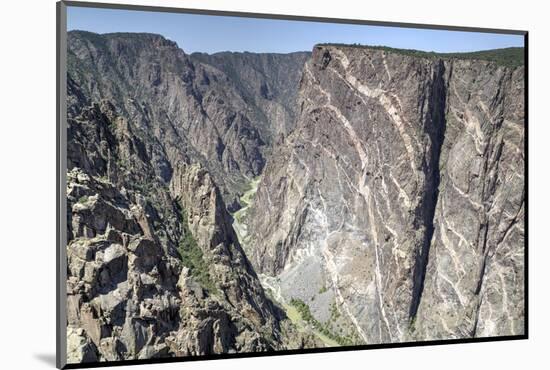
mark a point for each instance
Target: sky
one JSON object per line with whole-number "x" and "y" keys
{"x": 210, "y": 34}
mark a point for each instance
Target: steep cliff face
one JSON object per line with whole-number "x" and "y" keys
{"x": 154, "y": 268}
{"x": 269, "y": 84}
{"x": 475, "y": 272}
{"x": 173, "y": 96}
{"x": 364, "y": 214}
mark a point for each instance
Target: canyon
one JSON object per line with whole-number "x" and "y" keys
{"x": 244, "y": 202}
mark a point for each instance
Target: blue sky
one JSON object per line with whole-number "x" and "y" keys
{"x": 207, "y": 33}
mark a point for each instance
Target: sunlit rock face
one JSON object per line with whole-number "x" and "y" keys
{"x": 224, "y": 110}
{"x": 475, "y": 274}
{"x": 398, "y": 199}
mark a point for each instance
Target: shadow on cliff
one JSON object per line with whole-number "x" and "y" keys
{"x": 435, "y": 125}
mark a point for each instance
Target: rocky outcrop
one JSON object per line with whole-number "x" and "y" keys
{"x": 122, "y": 300}
{"x": 154, "y": 268}
{"x": 398, "y": 198}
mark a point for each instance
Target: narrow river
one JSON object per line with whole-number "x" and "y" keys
{"x": 239, "y": 217}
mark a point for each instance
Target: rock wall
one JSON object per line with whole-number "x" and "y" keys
{"x": 398, "y": 198}
{"x": 154, "y": 269}
{"x": 475, "y": 270}
{"x": 269, "y": 84}
{"x": 174, "y": 97}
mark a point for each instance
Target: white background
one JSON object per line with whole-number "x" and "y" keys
{"x": 27, "y": 182}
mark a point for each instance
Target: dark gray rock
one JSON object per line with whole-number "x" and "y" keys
{"x": 400, "y": 193}
{"x": 475, "y": 271}
{"x": 267, "y": 82}
{"x": 153, "y": 135}
{"x": 210, "y": 107}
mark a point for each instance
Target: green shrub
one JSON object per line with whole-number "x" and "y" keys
{"x": 193, "y": 258}
{"x": 83, "y": 199}
{"x": 305, "y": 313}
{"x": 303, "y": 310}
{"x": 334, "y": 313}
{"x": 412, "y": 325}
{"x": 103, "y": 178}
